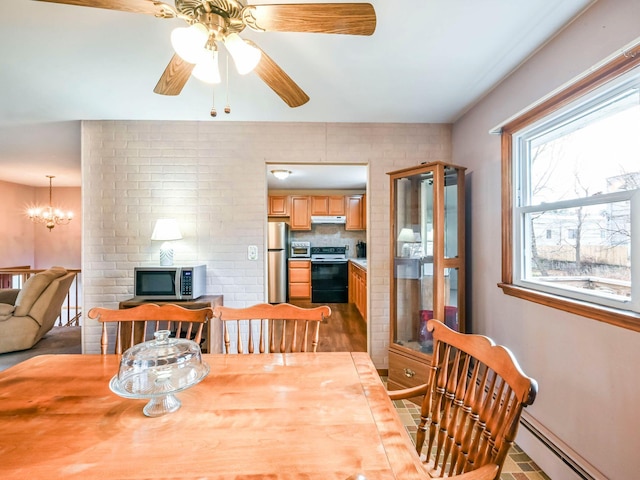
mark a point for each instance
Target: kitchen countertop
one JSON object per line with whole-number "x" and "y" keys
{"x": 361, "y": 262}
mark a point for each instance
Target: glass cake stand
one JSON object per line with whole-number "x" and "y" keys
{"x": 157, "y": 370}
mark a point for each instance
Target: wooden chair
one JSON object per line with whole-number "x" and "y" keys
{"x": 132, "y": 323}
{"x": 278, "y": 318}
{"x": 472, "y": 403}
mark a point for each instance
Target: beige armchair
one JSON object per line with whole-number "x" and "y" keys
{"x": 26, "y": 315}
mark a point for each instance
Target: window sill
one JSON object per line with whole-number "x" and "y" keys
{"x": 620, "y": 318}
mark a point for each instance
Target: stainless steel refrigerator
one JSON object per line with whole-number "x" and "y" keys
{"x": 277, "y": 245}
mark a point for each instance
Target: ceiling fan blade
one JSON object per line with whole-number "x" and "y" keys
{"x": 150, "y": 7}
{"x": 345, "y": 18}
{"x": 174, "y": 77}
{"x": 280, "y": 82}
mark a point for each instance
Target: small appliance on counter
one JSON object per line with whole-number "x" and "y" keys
{"x": 300, "y": 249}
{"x": 361, "y": 250}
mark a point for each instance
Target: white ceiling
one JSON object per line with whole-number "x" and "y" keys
{"x": 428, "y": 61}
{"x": 305, "y": 176}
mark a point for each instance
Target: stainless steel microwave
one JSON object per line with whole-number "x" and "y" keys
{"x": 170, "y": 283}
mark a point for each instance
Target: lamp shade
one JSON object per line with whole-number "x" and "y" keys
{"x": 166, "y": 229}
{"x": 406, "y": 235}
{"x": 190, "y": 42}
{"x": 244, "y": 55}
{"x": 207, "y": 69}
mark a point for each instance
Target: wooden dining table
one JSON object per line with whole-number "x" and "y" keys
{"x": 268, "y": 416}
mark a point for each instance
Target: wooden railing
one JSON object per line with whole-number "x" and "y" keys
{"x": 14, "y": 277}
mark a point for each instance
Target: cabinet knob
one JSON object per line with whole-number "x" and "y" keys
{"x": 409, "y": 373}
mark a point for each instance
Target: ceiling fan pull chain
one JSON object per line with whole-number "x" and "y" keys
{"x": 214, "y": 112}
{"x": 227, "y": 108}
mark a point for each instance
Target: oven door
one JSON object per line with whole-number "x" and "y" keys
{"x": 329, "y": 282}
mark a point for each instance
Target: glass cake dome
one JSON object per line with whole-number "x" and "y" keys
{"x": 157, "y": 370}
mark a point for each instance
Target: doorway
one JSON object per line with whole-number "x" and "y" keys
{"x": 346, "y": 330}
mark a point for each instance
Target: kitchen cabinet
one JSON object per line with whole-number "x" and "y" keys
{"x": 358, "y": 288}
{"x": 300, "y": 218}
{"x": 356, "y": 212}
{"x": 427, "y": 258}
{"x": 278, "y": 206}
{"x": 327, "y": 205}
{"x": 299, "y": 279}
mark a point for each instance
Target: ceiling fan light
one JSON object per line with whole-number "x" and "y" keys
{"x": 189, "y": 42}
{"x": 207, "y": 69}
{"x": 244, "y": 55}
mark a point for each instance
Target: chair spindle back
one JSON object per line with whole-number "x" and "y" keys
{"x": 132, "y": 323}
{"x": 288, "y": 326}
{"x": 472, "y": 404}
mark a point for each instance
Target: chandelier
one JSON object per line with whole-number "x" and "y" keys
{"x": 48, "y": 215}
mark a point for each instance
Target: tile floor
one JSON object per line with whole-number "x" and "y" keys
{"x": 518, "y": 465}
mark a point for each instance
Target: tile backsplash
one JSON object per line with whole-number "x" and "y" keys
{"x": 331, "y": 235}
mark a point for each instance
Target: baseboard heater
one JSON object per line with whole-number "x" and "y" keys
{"x": 563, "y": 452}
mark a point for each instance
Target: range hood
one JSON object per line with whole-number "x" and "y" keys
{"x": 328, "y": 219}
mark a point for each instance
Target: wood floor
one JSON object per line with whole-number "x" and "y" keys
{"x": 344, "y": 331}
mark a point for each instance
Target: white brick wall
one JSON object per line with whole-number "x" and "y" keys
{"x": 211, "y": 176}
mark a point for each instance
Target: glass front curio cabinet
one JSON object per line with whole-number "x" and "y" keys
{"x": 427, "y": 264}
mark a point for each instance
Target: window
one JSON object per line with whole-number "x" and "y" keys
{"x": 572, "y": 172}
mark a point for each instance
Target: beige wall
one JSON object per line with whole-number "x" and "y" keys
{"x": 16, "y": 242}
{"x": 211, "y": 176}
{"x": 587, "y": 370}
{"x": 24, "y": 243}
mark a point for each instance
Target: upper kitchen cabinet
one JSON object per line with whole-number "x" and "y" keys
{"x": 328, "y": 205}
{"x": 300, "y": 218}
{"x": 356, "y": 212}
{"x": 278, "y": 206}
{"x": 428, "y": 261}
{"x": 299, "y": 208}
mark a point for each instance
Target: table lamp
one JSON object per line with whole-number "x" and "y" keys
{"x": 166, "y": 230}
{"x": 407, "y": 236}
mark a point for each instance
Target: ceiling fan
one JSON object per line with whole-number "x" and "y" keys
{"x": 213, "y": 22}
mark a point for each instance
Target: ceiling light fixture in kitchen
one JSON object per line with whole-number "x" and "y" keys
{"x": 281, "y": 174}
